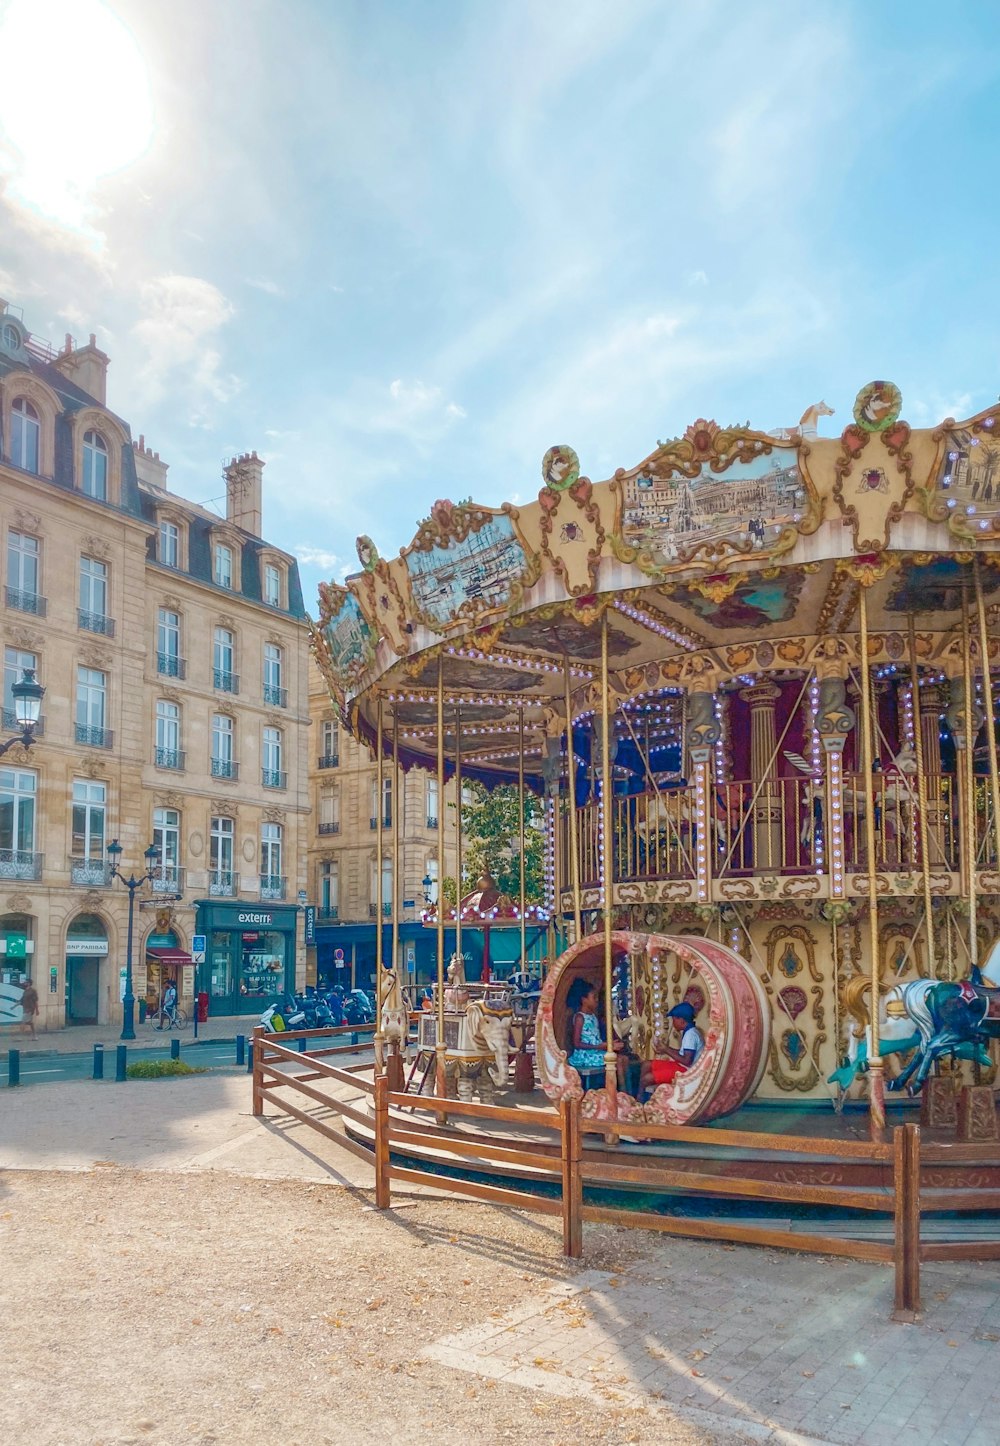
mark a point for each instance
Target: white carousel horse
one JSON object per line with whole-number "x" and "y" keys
{"x": 394, "y": 1020}
{"x": 906, "y": 1021}
{"x": 808, "y": 427}
{"x": 855, "y": 800}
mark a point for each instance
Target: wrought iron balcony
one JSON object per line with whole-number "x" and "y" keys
{"x": 328, "y": 760}
{"x": 432, "y": 820}
{"x": 274, "y": 696}
{"x": 95, "y": 623}
{"x": 331, "y": 912}
{"x": 90, "y": 873}
{"x": 224, "y": 681}
{"x": 329, "y": 828}
{"x": 386, "y": 911}
{"x": 169, "y": 758}
{"x": 386, "y": 821}
{"x": 169, "y": 665}
{"x": 11, "y": 725}
{"x": 26, "y": 602}
{"x": 272, "y": 886}
{"x": 94, "y": 737}
{"x": 223, "y": 883}
{"x": 273, "y": 778}
{"x": 167, "y": 879}
{"x": 20, "y": 864}
{"x": 225, "y": 768}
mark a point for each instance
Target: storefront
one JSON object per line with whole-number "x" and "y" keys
{"x": 17, "y": 949}
{"x": 86, "y": 961}
{"x": 249, "y": 955}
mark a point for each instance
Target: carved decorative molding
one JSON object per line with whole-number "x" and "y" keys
{"x": 95, "y": 546}
{"x": 274, "y": 815}
{"x": 26, "y": 521}
{"x": 19, "y": 903}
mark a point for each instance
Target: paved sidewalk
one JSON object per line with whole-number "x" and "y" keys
{"x": 81, "y": 1038}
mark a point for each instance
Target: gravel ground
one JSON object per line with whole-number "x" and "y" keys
{"x": 163, "y": 1307}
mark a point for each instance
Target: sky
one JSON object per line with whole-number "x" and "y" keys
{"x": 403, "y": 248}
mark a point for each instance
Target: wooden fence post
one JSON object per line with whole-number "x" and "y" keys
{"x": 906, "y": 1183}
{"x": 572, "y": 1184}
{"x": 382, "y": 1200}
{"x": 258, "y": 1077}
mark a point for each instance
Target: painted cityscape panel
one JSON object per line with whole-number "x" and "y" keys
{"x": 472, "y": 576}
{"x": 748, "y": 506}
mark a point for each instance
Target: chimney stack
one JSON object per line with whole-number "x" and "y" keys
{"x": 87, "y": 366}
{"x": 148, "y": 467}
{"x": 244, "y": 493}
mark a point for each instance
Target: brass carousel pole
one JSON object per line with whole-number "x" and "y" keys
{"x": 607, "y": 834}
{"x": 572, "y": 830}
{"x": 394, "y": 1065}
{"x": 379, "y": 1039}
{"x": 458, "y": 829}
{"x": 970, "y": 779}
{"x": 875, "y": 1064}
{"x": 439, "y": 1072}
{"x": 520, "y": 824}
{"x": 925, "y": 853}
{"x": 991, "y": 732}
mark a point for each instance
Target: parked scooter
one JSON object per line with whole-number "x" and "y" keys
{"x": 280, "y": 1017}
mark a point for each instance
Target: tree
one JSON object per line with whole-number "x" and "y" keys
{"x": 493, "y": 835}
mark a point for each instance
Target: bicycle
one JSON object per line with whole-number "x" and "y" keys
{"x": 174, "y": 1018}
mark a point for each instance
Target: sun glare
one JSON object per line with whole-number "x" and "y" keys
{"x": 75, "y": 104}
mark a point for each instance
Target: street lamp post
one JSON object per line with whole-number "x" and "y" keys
{"x": 27, "y": 695}
{"x": 132, "y": 884}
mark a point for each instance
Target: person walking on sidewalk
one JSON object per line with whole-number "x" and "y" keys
{"x": 29, "y": 1008}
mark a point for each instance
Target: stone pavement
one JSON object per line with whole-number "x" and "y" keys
{"x": 769, "y": 1345}
{"x": 781, "y": 1347}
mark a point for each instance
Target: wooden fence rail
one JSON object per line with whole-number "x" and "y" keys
{"x": 563, "y": 1167}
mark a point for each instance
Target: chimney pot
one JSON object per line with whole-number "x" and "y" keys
{"x": 93, "y": 338}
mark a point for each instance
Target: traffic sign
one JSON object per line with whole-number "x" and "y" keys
{"x": 198, "y": 942}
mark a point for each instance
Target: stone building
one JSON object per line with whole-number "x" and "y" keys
{"x": 343, "y": 854}
{"x": 171, "y": 644}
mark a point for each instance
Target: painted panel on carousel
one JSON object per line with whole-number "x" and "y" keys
{"x": 467, "y": 561}
{"x": 572, "y": 527}
{"x": 345, "y": 631}
{"x": 711, "y": 495}
{"x": 748, "y": 603}
{"x": 965, "y": 490}
{"x": 380, "y": 597}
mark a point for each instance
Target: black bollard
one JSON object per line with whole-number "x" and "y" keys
{"x": 354, "y": 1037}
{"x": 241, "y": 1049}
{"x": 175, "y": 1049}
{"x": 98, "y": 1061}
{"x": 121, "y": 1063}
{"x": 302, "y": 1045}
{"x": 250, "y": 1056}
{"x": 13, "y": 1067}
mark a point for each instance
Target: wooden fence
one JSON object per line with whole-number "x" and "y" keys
{"x": 559, "y": 1161}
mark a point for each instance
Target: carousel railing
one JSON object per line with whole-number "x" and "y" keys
{"x": 780, "y": 827}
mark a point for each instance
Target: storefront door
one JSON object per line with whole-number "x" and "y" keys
{"x": 222, "y": 987}
{"x": 82, "y": 978}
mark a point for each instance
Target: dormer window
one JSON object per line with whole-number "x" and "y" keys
{"x": 272, "y": 585}
{"x": 168, "y": 544}
{"x": 223, "y": 572}
{"x": 95, "y": 466}
{"x": 10, "y": 337}
{"x": 25, "y": 435}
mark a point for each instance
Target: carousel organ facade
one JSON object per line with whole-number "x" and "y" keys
{"x": 753, "y": 676}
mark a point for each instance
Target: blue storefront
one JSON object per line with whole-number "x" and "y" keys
{"x": 249, "y": 954}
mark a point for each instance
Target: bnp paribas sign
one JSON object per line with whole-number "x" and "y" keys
{"x": 249, "y": 916}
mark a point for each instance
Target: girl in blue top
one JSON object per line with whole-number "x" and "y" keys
{"x": 586, "y": 1042}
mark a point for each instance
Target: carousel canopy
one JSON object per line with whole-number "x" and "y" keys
{"x": 725, "y": 554}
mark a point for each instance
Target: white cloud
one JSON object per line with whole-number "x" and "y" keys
{"x": 697, "y": 278}
{"x": 178, "y": 333}
{"x": 318, "y": 557}
{"x": 263, "y": 283}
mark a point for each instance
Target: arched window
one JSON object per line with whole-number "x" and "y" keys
{"x": 95, "y": 466}
{"x": 25, "y": 435}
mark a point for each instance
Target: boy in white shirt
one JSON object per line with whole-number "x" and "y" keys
{"x": 676, "y": 1061}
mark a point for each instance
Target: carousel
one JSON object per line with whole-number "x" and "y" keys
{"x": 750, "y": 677}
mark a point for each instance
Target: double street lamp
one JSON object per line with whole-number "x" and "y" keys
{"x": 132, "y": 884}
{"x": 27, "y": 695}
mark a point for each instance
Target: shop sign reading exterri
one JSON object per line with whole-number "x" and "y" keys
{"x": 251, "y": 917}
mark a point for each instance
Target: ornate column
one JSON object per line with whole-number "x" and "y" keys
{"x": 965, "y": 718}
{"x": 703, "y": 733}
{"x": 933, "y": 701}
{"x": 767, "y": 819}
{"x": 834, "y": 721}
